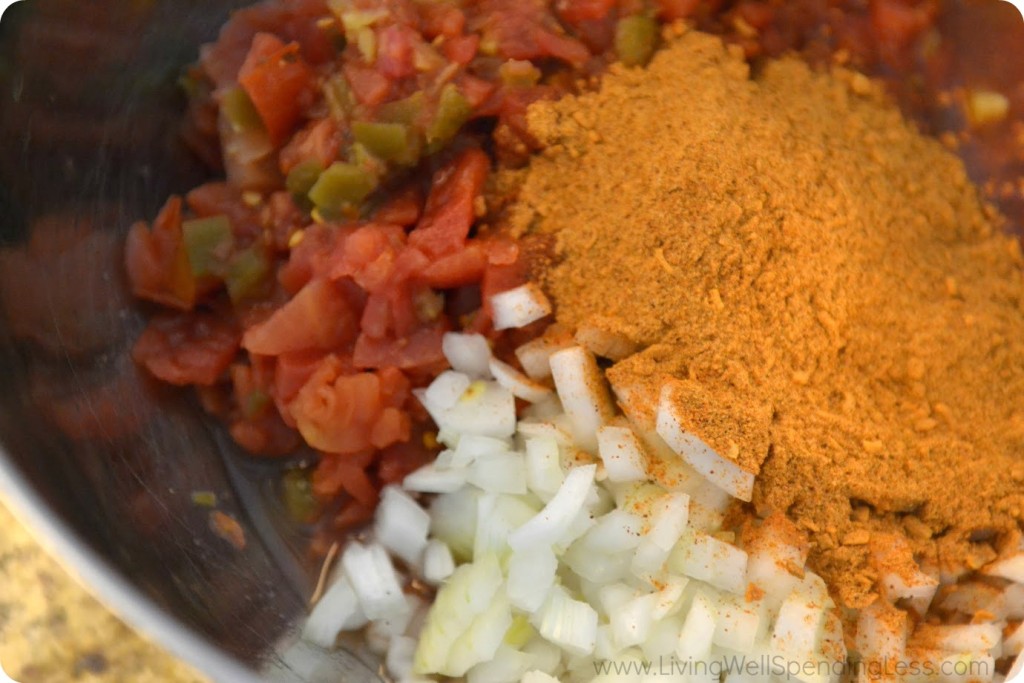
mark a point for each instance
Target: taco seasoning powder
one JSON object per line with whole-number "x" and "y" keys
{"x": 844, "y": 314}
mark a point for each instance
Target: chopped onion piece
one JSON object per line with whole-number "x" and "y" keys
{"x": 374, "y": 579}
{"x": 469, "y": 354}
{"x": 615, "y": 532}
{"x": 399, "y": 658}
{"x": 486, "y": 409}
{"x": 499, "y": 473}
{"x": 453, "y": 520}
{"x": 584, "y": 396}
{"x": 882, "y": 633}
{"x": 551, "y": 523}
{"x": 531, "y": 575}
{"x": 543, "y": 466}
{"x": 547, "y": 429}
{"x": 668, "y": 523}
{"x": 569, "y": 623}
{"x": 381, "y": 632}
{"x": 721, "y": 472}
{"x": 708, "y": 559}
{"x": 739, "y": 623}
{"x": 959, "y": 638}
{"x": 1013, "y": 645}
{"x": 432, "y": 479}
{"x": 516, "y": 382}
{"x": 605, "y": 344}
{"x": 632, "y": 621}
{"x": 519, "y": 307}
{"x": 622, "y": 454}
{"x": 670, "y": 597}
{"x": 535, "y": 355}
{"x": 507, "y": 666}
{"x": 798, "y": 626}
{"x": 698, "y": 630}
{"x": 472, "y": 446}
{"x": 401, "y": 525}
{"x": 438, "y": 563}
{"x": 537, "y": 676}
{"x": 445, "y": 391}
{"x": 337, "y": 610}
{"x": 480, "y": 642}
{"x": 1010, "y": 568}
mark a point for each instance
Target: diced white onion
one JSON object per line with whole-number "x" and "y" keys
{"x": 401, "y": 525}
{"x": 381, "y": 632}
{"x": 551, "y": 523}
{"x": 507, "y": 666}
{"x": 569, "y": 623}
{"x": 438, "y": 563}
{"x": 797, "y": 626}
{"x": 632, "y": 621}
{"x": 738, "y": 623}
{"x": 543, "y": 466}
{"x": 698, "y": 630}
{"x": 499, "y": 473}
{"x": 622, "y": 454}
{"x": 337, "y": 610}
{"x": 668, "y": 521}
{"x": 531, "y": 574}
{"x": 584, "y": 396}
{"x": 445, "y": 391}
{"x": 480, "y": 642}
{"x": 469, "y": 354}
{"x": 519, "y": 384}
{"x": 708, "y": 559}
{"x": 960, "y": 638}
{"x": 538, "y": 676}
{"x": 432, "y": 479}
{"x": 721, "y": 472}
{"x": 535, "y": 355}
{"x": 519, "y": 307}
{"x": 374, "y": 579}
{"x": 399, "y": 658}
{"x": 486, "y": 409}
{"x": 1010, "y": 568}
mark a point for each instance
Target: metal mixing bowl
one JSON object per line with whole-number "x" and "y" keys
{"x": 99, "y": 461}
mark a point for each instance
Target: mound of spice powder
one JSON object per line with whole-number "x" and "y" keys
{"x": 842, "y": 313}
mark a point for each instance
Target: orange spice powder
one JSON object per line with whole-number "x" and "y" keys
{"x": 844, "y": 312}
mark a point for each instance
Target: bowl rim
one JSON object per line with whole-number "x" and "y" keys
{"x": 98, "y": 577}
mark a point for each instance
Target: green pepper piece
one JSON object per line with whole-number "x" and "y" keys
{"x": 635, "y": 39}
{"x": 240, "y": 111}
{"x": 341, "y": 101}
{"x": 341, "y": 184}
{"x": 247, "y": 273}
{"x": 297, "y": 494}
{"x": 406, "y": 111}
{"x": 453, "y": 110}
{"x": 303, "y": 177}
{"x": 387, "y": 141}
{"x": 207, "y": 243}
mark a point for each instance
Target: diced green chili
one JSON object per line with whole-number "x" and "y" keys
{"x": 247, "y": 273}
{"x": 297, "y": 496}
{"x": 207, "y": 243}
{"x": 341, "y": 101}
{"x": 240, "y": 111}
{"x": 453, "y": 110}
{"x": 387, "y": 141}
{"x": 255, "y": 403}
{"x": 206, "y": 499}
{"x": 406, "y": 111}
{"x": 303, "y": 177}
{"x": 341, "y": 184}
{"x": 635, "y": 39}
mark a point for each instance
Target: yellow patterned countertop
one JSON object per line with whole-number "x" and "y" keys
{"x": 53, "y": 631}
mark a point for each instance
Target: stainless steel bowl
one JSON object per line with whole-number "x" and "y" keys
{"x": 100, "y": 462}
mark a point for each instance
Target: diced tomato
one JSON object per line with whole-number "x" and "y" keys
{"x": 392, "y": 426}
{"x": 461, "y": 268}
{"x": 293, "y": 371}
{"x": 317, "y": 141}
{"x": 279, "y": 83}
{"x": 524, "y": 30}
{"x": 475, "y": 90}
{"x": 308, "y": 258}
{"x": 461, "y": 49}
{"x": 899, "y": 22}
{"x": 320, "y": 316}
{"x": 265, "y": 435}
{"x": 369, "y": 85}
{"x": 402, "y": 208}
{"x": 368, "y": 254}
{"x": 353, "y": 514}
{"x": 394, "y": 51}
{"x": 420, "y": 350}
{"x": 344, "y": 413}
{"x": 187, "y": 349}
{"x": 578, "y": 11}
{"x": 156, "y": 261}
{"x": 441, "y": 19}
{"x": 337, "y": 473}
{"x": 449, "y": 213}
